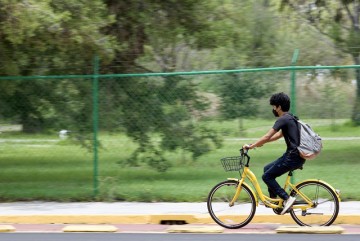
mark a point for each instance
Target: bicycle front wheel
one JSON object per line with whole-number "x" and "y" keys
{"x": 325, "y": 204}
{"x": 227, "y": 216}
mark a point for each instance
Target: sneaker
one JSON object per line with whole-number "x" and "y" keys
{"x": 288, "y": 203}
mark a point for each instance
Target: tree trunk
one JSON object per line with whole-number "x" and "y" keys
{"x": 31, "y": 125}
{"x": 241, "y": 127}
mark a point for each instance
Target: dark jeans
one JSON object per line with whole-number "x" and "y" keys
{"x": 288, "y": 162}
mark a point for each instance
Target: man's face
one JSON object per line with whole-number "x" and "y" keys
{"x": 275, "y": 110}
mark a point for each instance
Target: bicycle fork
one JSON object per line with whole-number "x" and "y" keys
{"x": 237, "y": 193}
{"x": 246, "y": 174}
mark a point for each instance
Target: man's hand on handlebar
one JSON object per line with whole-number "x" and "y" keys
{"x": 250, "y": 146}
{"x": 246, "y": 146}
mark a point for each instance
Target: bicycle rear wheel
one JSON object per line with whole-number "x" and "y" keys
{"x": 236, "y": 216}
{"x": 325, "y": 206}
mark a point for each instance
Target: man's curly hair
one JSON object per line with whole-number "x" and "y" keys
{"x": 281, "y": 99}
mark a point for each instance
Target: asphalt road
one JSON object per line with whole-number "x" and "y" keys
{"x": 173, "y": 237}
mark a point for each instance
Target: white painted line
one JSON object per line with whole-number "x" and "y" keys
{"x": 316, "y": 229}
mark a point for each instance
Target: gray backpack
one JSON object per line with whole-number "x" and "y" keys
{"x": 310, "y": 142}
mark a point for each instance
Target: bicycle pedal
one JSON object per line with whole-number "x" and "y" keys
{"x": 277, "y": 211}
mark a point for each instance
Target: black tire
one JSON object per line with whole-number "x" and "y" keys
{"x": 237, "y": 216}
{"x": 326, "y": 204}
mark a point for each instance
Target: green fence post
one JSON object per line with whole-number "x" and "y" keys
{"x": 293, "y": 91}
{"x": 95, "y": 93}
{"x": 293, "y": 82}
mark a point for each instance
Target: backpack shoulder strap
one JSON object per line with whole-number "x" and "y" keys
{"x": 294, "y": 116}
{"x": 298, "y": 124}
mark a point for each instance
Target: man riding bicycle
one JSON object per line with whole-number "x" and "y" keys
{"x": 286, "y": 127}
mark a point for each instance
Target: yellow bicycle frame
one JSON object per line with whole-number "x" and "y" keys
{"x": 272, "y": 202}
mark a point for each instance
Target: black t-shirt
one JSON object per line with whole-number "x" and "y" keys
{"x": 288, "y": 125}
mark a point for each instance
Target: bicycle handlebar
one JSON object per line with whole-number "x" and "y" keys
{"x": 244, "y": 152}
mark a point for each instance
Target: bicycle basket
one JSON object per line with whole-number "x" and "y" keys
{"x": 233, "y": 163}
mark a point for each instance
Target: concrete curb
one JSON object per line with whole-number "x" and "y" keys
{"x": 6, "y": 228}
{"x": 151, "y": 219}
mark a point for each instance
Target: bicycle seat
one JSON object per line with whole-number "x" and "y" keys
{"x": 291, "y": 172}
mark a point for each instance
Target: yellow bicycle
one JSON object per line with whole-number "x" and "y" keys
{"x": 232, "y": 203}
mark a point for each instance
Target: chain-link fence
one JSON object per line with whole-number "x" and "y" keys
{"x": 76, "y": 130}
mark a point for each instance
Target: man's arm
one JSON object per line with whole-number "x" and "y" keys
{"x": 272, "y": 135}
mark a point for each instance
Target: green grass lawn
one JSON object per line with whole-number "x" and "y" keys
{"x": 44, "y": 168}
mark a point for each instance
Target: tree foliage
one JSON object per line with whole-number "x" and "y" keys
{"x": 159, "y": 32}
{"x": 338, "y": 20}
{"x": 52, "y": 37}
{"x": 239, "y": 93}
{"x": 44, "y": 37}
